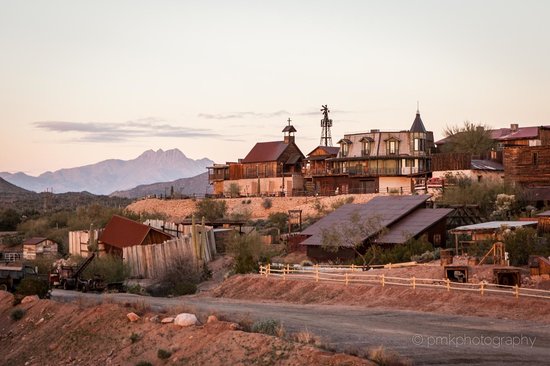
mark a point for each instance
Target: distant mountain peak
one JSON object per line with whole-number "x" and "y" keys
{"x": 113, "y": 175}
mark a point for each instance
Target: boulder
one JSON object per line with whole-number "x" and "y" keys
{"x": 212, "y": 319}
{"x": 132, "y": 317}
{"x": 167, "y": 320}
{"x": 185, "y": 320}
{"x": 155, "y": 319}
{"x": 28, "y": 299}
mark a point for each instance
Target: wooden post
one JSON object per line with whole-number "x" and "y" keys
{"x": 353, "y": 267}
{"x": 268, "y": 270}
{"x": 448, "y": 284}
{"x": 414, "y": 282}
{"x": 481, "y": 288}
{"x": 382, "y": 280}
{"x": 288, "y": 269}
{"x": 516, "y": 288}
{"x": 346, "y": 278}
{"x": 316, "y": 273}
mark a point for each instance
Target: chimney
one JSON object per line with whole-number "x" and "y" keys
{"x": 514, "y": 127}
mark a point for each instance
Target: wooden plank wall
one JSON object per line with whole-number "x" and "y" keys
{"x": 521, "y": 165}
{"x": 451, "y": 161}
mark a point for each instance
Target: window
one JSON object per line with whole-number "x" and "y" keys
{"x": 366, "y": 148}
{"x": 418, "y": 144}
{"x": 345, "y": 149}
{"x": 535, "y": 158}
{"x": 392, "y": 147}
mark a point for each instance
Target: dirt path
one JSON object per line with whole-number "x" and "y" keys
{"x": 426, "y": 338}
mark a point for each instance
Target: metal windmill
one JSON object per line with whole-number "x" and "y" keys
{"x": 326, "y": 124}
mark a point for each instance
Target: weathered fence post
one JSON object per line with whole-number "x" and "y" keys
{"x": 346, "y": 278}
{"x": 482, "y": 288}
{"x": 516, "y": 291}
{"x": 448, "y": 284}
{"x": 382, "y": 280}
{"x": 414, "y": 282}
{"x": 316, "y": 273}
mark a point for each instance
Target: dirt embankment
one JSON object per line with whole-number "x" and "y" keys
{"x": 52, "y": 333}
{"x": 254, "y": 287}
{"x": 179, "y": 209}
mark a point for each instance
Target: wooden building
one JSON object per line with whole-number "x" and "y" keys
{"x": 389, "y": 221}
{"x": 121, "y": 232}
{"x": 378, "y": 161}
{"x": 270, "y": 168}
{"x": 34, "y": 248}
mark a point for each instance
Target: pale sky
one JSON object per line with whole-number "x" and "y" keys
{"x": 85, "y": 81}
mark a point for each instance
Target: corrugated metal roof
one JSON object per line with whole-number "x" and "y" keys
{"x": 486, "y": 165}
{"x": 34, "y": 241}
{"x": 492, "y": 225}
{"x": 265, "y": 151}
{"x": 385, "y": 209}
{"x": 544, "y": 214}
{"x": 413, "y": 224}
{"x": 329, "y": 150}
{"x": 121, "y": 232}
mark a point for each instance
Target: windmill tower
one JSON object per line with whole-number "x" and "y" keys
{"x": 326, "y": 124}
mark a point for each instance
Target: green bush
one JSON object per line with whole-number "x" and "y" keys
{"x": 268, "y": 326}
{"x": 110, "y": 268}
{"x": 278, "y": 220}
{"x": 211, "y": 209}
{"x": 134, "y": 337}
{"x": 144, "y": 363}
{"x": 17, "y": 314}
{"x": 523, "y": 242}
{"x": 163, "y": 354}
{"x": 180, "y": 279}
{"x": 247, "y": 250}
{"x": 33, "y": 286}
{"x": 267, "y": 203}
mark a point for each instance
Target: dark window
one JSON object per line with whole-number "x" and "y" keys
{"x": 535, "y": 158}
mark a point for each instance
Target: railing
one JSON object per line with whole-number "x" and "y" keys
{"x": 355, "y": 275}
{"x": 11, "y": 256}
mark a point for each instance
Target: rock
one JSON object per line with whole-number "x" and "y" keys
{"x": 234, "y": 326}
{"x": 28, "y": 299}
{"x": 212, "y": 319}
{"x": 185, "y": 320}
{"x": 132, "y": 317}
{"x": 39, "y": 322}
{"x": 155, "y": 319}
{"x": 167, "y": 320}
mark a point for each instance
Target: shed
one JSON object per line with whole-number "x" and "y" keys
{"x": 37, "y": 247}
{"x": 121, "y": 232}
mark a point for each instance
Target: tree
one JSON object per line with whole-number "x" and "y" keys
{"x": 234, "y": 190}
{"x": 353, "y": 234}
{"x": 9, "y": 219}
{"x": 211, "y": 209}
{"x": 470, "y": 138}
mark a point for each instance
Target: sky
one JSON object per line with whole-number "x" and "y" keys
{"x": 85, "y": 81}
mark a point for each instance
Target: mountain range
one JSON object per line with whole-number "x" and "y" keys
{"x": 197, "y": 185}
{"x": 113, "y": 175}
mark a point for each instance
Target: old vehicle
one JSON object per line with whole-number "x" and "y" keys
{"x": 11, "y": 276}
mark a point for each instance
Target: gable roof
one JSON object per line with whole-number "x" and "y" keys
{"x": 34, "y": 241}
{"x": 265, "y": 151}
{"x": 121, "y": 232}
{"x": 418, "y": 125}
{"x": 413, "y": 224}
{"x": 329, "y": 150}
{"x": 385, "y": 209}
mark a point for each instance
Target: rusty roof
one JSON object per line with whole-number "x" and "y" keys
{"x": 477, "y": 164}
{"x": 329, "y": 150}
{"x": 384, "y": 209}
{"x": 413, "y": 224}
{"x": 265, "y": 151}
{"x": 34, "y": 241}
{"x": 121, "y": 232}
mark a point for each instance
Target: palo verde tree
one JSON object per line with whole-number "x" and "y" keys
{"x": 470, "y": 138}
{"x": 352, "y": 234}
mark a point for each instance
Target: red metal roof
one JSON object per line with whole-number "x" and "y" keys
{"x": 34, "y": 241}
{"x": 121, "y": 232}
{"x": 265, "y": 151}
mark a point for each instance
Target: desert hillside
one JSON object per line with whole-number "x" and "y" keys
{"x": 310, "y": 206}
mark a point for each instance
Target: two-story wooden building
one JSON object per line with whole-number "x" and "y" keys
{"x": 376, "y": 161}
{"x": 270, "y": 168}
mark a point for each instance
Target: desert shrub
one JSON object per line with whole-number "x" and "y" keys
{"x": 211, "y": 209}
{"x": 33, "y": 286}
{"x": 269, "y": 326}
{"x": 267, "y": 203}
{"x": 134, "y": 337}
{"x": 110, "y": 268}
{"x": 234, "y": 190}
{"x": 247, "y": 251}
{"x": 340, "y": 202}
{"x": 17, "y": 314}
{"x": 320, "y": 208}
{"x": 242, "y": 215}
{"x": 278, "y": 220}
{"x": 385, "y": 357}
{"x": 163, "y": 354}
{"x": 136, "y": 289}
{"x": 9, "y": 219}
{"x": 181, "y": 278}
{"x": 144, "y": 363}
{"x": 523, "y": 242}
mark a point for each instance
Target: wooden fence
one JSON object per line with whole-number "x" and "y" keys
{"x": 152, "y": 261}
{"x": 357, "y": 276}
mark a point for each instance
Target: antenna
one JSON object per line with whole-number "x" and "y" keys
{"x": 326, "y": 124}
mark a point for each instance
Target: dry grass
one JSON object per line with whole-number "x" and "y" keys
{"x": 306, "y": 337}
{"x": 385, "y": 357}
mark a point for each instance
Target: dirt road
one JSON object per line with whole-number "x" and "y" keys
{"x": 426, "y": 338}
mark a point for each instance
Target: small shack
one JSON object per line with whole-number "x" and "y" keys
{"x": 39, "y": 247}
{"x": 491, "y": 230}
{"x": 121, "y": 232}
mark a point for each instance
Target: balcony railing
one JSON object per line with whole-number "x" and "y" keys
{"x": 367, "y": 172}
